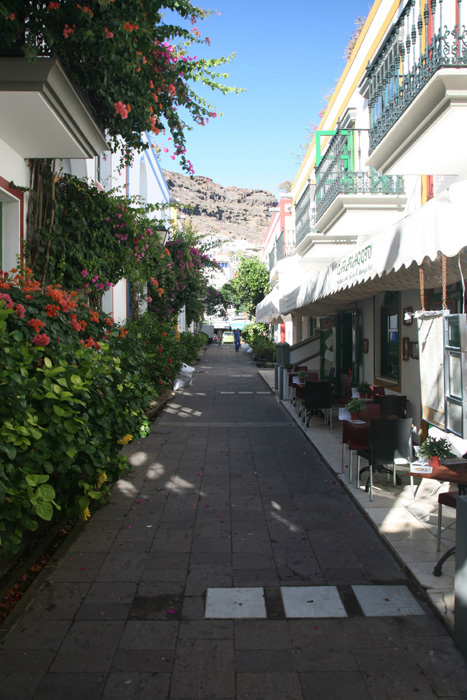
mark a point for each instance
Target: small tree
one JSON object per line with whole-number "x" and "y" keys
{"x": 251, "y": 284}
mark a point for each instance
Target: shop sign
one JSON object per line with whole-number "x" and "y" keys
{"x": 355, "y": 265}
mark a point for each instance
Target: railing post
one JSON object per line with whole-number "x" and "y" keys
{"x": 460, "y": 581}
{"x": 282, "y": 358}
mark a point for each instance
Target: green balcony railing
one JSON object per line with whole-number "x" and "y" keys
{"x": 428, "y": 35}
{"x": 341, "y": 171}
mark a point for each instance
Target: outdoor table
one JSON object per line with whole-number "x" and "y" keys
{"x": 452, "y": 470}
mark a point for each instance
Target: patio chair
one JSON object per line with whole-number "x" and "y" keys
{"x": 318, "y": 399}
{"x": 392, "y": 405}
{"x": 390, "y": 442}
{"x": 357, "y": 439}
{"x": 448, "y": 498}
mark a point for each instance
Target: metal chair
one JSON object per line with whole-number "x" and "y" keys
{"x": 357, "y": 440}
{"x": 300, "y": 390}
{"x": 318, "y": 398}
{"x": 343, "y": 400}
{"x": 392, "y": 405}
{"x": 390, "y": 442}
{"x": 448, "y": 498}
{"x": 296, "y": 369}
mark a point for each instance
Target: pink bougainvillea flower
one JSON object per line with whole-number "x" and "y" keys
{"x": 41, "y": 339}
{"x": 108, "y": 33}
{"x": 84, "y": 273}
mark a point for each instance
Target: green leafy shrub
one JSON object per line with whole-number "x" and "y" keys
{"x": 253, "y": 331}
{"x": 71, "y": 393}
{"x": 157, "y": 340}
{"x": 264, "y": 348}
{"x": 190, "y": 344}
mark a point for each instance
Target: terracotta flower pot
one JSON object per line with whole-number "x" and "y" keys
{"x": 354, "y": 416}
{"x": 433, "y": 461}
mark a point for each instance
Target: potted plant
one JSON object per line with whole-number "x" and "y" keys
{"x": 434, "y": 449}
{"x": 363, "y": 389}
{"x": 302, "y": 375}
{"x": 289, "y": 367}
{"x": 355, "y": 407}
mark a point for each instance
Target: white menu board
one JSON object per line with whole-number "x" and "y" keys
{"x": 431, "y": 350}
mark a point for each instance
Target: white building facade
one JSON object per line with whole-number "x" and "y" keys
{"x": 379, "y": 204}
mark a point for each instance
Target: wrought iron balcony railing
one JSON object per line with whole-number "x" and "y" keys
{"x": 340, "y": 171}
{"x": 285, "y": 245}
{"x": 272, "y": 257}
{"x": 304, "y": 214}
{"x": 428, "y": 35}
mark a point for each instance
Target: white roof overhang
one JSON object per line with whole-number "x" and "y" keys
{"x": 41, "y": 113}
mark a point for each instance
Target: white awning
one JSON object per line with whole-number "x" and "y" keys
{"x": 391, "y": 260}
{"x": 267, "y": 310}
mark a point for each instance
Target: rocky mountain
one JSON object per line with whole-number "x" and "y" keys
{"x": 225, "y": 212}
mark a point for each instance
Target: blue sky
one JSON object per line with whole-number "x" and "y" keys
{"x": 288, "y": 56}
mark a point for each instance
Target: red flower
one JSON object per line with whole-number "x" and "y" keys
{"x": 36, "y": 324}
{"x": 52, "y": 310}
{"x": 41, "y": 339}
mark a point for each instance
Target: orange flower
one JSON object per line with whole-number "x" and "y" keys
{"x": 52, "y": 310}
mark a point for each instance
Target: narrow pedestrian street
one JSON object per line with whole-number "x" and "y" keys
{"x": 230, "y": 565}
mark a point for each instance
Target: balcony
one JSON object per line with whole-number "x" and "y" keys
{"x": 417, "y": 92}
{"x": 272, "y": 258}
{"x": 285, "y": 244}
{"x": 283, "y": 248}
{"x": 353, "y": 200}
{"x": 305, "y": 219}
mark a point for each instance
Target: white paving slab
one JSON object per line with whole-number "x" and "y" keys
{"x": 229, "y": 603}
{"x": 312, "y": 601}
{"x": 385, "y": 601}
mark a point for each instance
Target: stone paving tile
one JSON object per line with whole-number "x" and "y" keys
{"x": 129, "y": 686}
{"x": 122, "y": 566}
{"x": 19, "y": 686}
{"x": 262, "y": 686}
{"x": 143, "y": 661}
{"x": 77, "y": 567}
{"x": 149, "y": 635}
{"x": 29, "y": 661}
{"x": 339, "y": 684}
{"x": 57, "y": 601}
{"x": 88, "y": 647}
{"x": 37, "y": 634}
{"x": 71, "y": 686}
{"x": 439, "y": 656}
{"x": 204, "y": 668}
{"x": 261, "y": 634}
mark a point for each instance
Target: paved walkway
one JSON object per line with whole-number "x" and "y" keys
{"x": 230, "y": 565}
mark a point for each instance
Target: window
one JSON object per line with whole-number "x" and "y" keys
{"x": 389, "y": 355}
{"x": 103, "y": 170}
